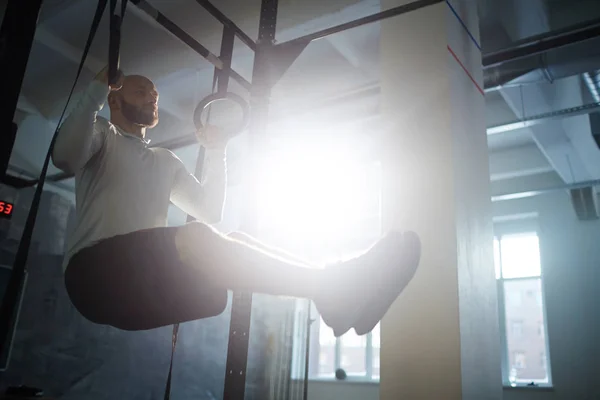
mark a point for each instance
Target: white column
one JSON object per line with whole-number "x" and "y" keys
{"x": 440, "y": 340}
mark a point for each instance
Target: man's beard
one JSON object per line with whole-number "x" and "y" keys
{"x": 138, "y": 115}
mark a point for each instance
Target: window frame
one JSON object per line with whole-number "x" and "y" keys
{"x": 315, "y": 348}
{"x": 509, "y": 230}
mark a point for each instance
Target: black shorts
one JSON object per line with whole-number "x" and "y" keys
{"x": 136, "y": 282}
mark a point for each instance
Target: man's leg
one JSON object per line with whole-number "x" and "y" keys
{"x": 157, "y": 277}
{"x": 135, "y": 282}
{"x": 340, "y": 292}
{"x": 240, "y": 262}
{"x": 280, "y": 253}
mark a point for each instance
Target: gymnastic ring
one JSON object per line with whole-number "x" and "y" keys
{"x": 211, "y": 98}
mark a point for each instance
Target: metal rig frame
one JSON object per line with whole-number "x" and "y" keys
{"x": 270, "y": 64}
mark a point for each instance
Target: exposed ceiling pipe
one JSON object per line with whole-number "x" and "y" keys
{"x": 538, "y": 192}
{"x": 544, "y": 58}
{"x": 544, "y": 118}
{"x": 538, "y": 44}
{"x": 592, "y": 81}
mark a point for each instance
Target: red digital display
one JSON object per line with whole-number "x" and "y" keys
{"x": 6, "y": 209}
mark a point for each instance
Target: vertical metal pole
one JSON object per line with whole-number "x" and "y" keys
{"x": 226, "y": 55}
{"x": 369, "y": 356}
{"x": 16, "y": 39}
{"x": 221, "y": 77}
{"x": 239, "y": 330}
{"x": 309, "y": 323}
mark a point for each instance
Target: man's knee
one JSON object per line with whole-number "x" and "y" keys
{"x": 197, "y": 231}
{"x": 237, "y": 235}
{"x": 193, "y": 237}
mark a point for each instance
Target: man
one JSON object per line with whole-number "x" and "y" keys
{"x": 126, "y": 268}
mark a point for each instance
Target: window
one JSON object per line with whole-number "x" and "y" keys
{"x": 322, "y": 202}
{"x": 358, "y": 356}
{"x": 517, "y": 329}
{"x": 519, "y": 360}
{"x": 514, "y": 298}
{"x": 522, "y": 313}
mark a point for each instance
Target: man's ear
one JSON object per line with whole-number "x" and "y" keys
{"x": 113, "y": 101}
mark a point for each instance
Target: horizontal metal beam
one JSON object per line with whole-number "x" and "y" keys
{"x": 240, "y": 79}
{"x": 542, "y": 43}
{"x": 67, "y": 50}
{"x": 538, "y": 192}
{"x": 215, "y": 12}
{"x": 544, "y": 118}
{"x": 16, "y": 182}
{"x": 392, "y": 12}
{"x": 179, "y": 33}
{"x": 190, "y": 139}
{"x": 27, "y": 179}
{"x": 183, "y": 36}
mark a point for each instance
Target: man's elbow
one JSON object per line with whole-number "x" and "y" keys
{"x": 62, "y": 161}
{"x": 213, "y": 212}
{"x": 214, "y": 217}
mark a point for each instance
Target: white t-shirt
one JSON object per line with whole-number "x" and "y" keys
{"x": 121, "y": 184}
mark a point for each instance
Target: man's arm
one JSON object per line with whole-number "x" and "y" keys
{"x": 77, "y": 139}
{"x": 204, "y": 199}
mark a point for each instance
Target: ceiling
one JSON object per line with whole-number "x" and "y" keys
{"x": 552, "y": 153}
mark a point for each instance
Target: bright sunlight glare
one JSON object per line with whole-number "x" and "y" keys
{"x": 520, "y": 256}
{"x": 319, "y": 190}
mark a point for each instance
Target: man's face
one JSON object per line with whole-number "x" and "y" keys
{"x": 138, "y": 101}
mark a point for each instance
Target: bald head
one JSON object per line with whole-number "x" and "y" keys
{"x": 136, "y": 102}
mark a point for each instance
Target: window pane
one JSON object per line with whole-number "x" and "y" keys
{"x": 376, "y": 335}
{"x": 327, "y": 361}
{"x": 353, "y": 354}
{"x": 376, "y": 346}
{"x": 326, "y": 337}
{"x": 520, "y": 256}
{"x": 525, "y": 336}
{"x": 326, "y": 350}
{"x": 376, "y": 367}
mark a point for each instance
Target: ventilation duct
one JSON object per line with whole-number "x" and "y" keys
{"x": 545, "y": 67}
{"x": 585, "y": 203}
{"x": 545, "y": 58}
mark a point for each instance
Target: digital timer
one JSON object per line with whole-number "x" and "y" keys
{"x": 6, "y": 209}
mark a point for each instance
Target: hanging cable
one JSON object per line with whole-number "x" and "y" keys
{"x": 12, "y": 294}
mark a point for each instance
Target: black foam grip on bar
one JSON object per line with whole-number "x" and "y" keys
{"x": 114, "y": 49}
